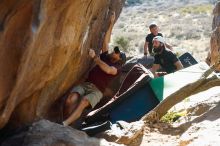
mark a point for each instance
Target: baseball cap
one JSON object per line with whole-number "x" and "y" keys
{"x": 159, "y": 38}
{"x": 122, "y": 54}
{"x": 153, "y": 24}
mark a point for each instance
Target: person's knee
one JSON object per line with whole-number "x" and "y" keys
{"x": 84, "y": 102}
{"x": 72, "y": 98}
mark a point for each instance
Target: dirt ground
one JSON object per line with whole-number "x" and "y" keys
{"x": 200, "y": 126}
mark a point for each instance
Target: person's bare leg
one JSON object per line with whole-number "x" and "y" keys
{"x": 77, "y": 113}
{"x": 70, "y": 104}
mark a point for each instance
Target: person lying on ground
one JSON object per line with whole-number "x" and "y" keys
{"x": 89, "y": 93}
{"x": 164, "y": 58}
{"x": 148, "y": 46}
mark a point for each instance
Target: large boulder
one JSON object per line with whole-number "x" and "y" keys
{"x": 44, "y": 51}
{"x": 45, "y": 133}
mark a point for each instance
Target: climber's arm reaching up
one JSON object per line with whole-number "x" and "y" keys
{"x": 107, "y": 38}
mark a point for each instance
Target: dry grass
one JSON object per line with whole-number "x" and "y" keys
{"x": 200, "y": 9}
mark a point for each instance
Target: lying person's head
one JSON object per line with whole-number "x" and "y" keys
{"x": 118, "y": 56}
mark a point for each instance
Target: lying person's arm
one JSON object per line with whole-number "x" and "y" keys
{"x": 105, "y": 67}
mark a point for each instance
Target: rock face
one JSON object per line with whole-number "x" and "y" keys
{"x": 202, "y": 127}
{"x": 123, "y": 132}
{"x": 215, "y": 37}
{"x": 51, "y": 134}
{"x": 44, "y": 51}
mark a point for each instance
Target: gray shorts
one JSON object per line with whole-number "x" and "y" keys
{"x": 90, "y": 91}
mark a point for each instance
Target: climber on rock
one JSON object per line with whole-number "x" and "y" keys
{"x": 91, "y": 91}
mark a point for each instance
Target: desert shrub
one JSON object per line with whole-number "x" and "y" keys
{"x": 123, "y": 42}
{"x": 171, "y": 117}
{"x": 195, "y": 36}
{"x": 180, "y": 36}
{"x": 188, "y": 34}
{"x": 133, "y": 2}
{"x": 121, "y": 25}
{"x": 176, "y": 31}
{"x": 207, "y": 33}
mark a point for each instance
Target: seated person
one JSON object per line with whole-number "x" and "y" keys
{"x": 148, "y": 46}
{"x": 164, "y": 58}
{"x": 90, "y": 92}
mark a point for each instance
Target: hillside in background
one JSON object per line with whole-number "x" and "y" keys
{"x": 186, "y": 25}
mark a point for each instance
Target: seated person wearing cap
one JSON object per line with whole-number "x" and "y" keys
{"x": 90, "y": 92}
{"x": 148, "y": 46}
{"x": 164, "y": 58}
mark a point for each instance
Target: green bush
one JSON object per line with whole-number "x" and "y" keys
{"x": 171, "y": 117}
{"x": 122, "y": 42}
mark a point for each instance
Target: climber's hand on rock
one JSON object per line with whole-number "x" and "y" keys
{"x": 112, "y": 17}
{"x": 92, "y": 53}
